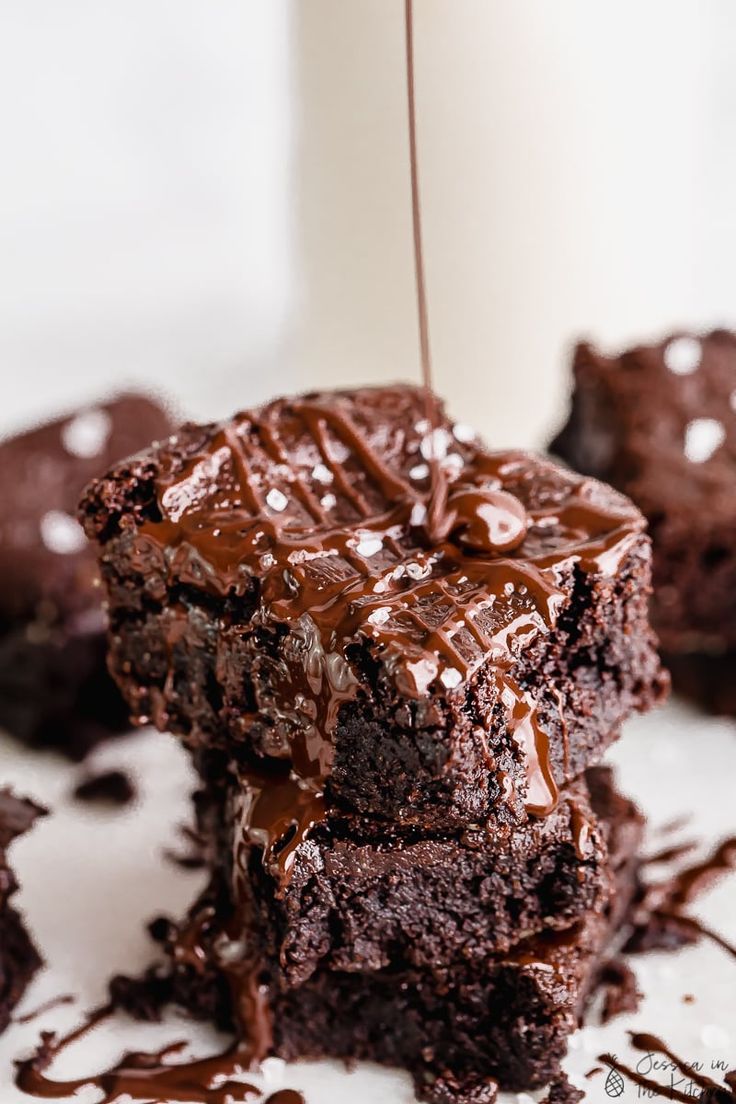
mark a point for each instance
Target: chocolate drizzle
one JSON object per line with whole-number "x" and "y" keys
{"x": 144, "y": 1076}
{"x": 700, "y": 1086}
{"x": 659, "y": 917}
{"x": 355, "y": 573}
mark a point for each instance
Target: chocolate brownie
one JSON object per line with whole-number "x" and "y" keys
{"x": 659, "y": 423}
{"x": 276, "y": 590}
{"x": 54, "y": 687}
{"x": 455, "y": 1018}
{"x": 19, "y": 959}
{"x": 362, "y": 895}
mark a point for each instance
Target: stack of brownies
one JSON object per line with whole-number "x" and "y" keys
{"x": 396, "y": 659}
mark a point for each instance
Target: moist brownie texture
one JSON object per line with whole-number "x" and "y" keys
{"x": 659, "y": 423}
{"x": 277, "y": 590}
{"x": 451, "y": 1016}
{"x": 359, "y": 895}
{"x": 19, "y": 959}
{"x": 54, "y": 686}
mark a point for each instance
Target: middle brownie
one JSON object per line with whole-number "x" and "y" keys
{"x": 347, "y": 893}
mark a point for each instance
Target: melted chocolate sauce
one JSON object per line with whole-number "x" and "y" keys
{"x": 652, "y": 1045}
{"x": 660, "y": 919}
{"x": 142, "y": 1076}
{"x": 47, "y": 1006}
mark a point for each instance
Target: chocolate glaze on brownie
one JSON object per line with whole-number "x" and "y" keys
{"x": 659, "y": 423}
{"x": 272, "y": 590}
{"x": 19, "y": 959}
{"x": 54, "y": 686}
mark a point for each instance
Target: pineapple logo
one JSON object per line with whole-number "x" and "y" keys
{"x": 614, "y": 1085}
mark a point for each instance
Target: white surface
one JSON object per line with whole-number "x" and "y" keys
{"x": 91, "y": 880}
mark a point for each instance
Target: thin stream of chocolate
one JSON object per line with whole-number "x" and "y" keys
{"x": 436, "y": 506}
{"x": 47, "y": 1006}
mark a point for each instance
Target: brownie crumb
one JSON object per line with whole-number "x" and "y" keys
{"x": 593, "y": 1072}
{"x": 447, "y": 1089}
{"x": 108, "y": 788}
{"x": 562, "y": 1091}
{"x": 688, "y": 998}
{"x": 620, "y": 993}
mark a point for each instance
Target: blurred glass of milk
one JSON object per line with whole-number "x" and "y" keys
{"x": 572, "y": 183}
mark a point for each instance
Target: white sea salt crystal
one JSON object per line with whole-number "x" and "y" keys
{"x": 322, "y": 473}
{"x": 368, "y": 546}
{"x": 702, "y": 437}
{"x": 418, "y": 513}
{"x": 463, "y": 433}
{"x": 328, "y": 501}
{"x": 276, "y": 499}
{"x": 86, "y": 434}
{"x": 419, "y": 471}
{"x": 62, "y": 533}
{"x": 434, "y": 445}
{"x": 380, "y": 616}
{"x": 451, "y": 678}
{"x": 683, "y": 355}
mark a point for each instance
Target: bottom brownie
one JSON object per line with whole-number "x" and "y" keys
{"x": 19, "y": 959}
{"x": 455, "y": 1025}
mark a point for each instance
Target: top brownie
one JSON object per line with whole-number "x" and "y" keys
{"x": 659, "y": 422}
{"x": 277, "y": 589}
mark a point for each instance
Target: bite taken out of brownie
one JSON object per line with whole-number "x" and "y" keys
{"x": 457, "y": 1021}
{"x": 659, "y": 423}
{"x": 54, "y": 687}
{"x": 277, "y": 590}
{"x": 19, "y": 959}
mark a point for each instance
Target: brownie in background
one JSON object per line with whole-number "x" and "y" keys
{"x": 19, "y": 959}
{"x": 54, "y": 687}
{"x": 659, "y": 423}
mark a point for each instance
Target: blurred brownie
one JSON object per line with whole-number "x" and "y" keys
{"x": 277, "y": 590}
{"x": 54, "y": 687}
{"x": 19, "y": 959}
{"x": 659, "y": 423}
{"x": 450, "y": 1017}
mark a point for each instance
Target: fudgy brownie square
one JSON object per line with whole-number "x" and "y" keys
{"x": 659, "y": 423}
{"x": 54, "y": 687}
{"x": 19, "y": 959}
{"x": 347, "y": 893}
{"x": 277, "y": 589}
{"x": 450, "y": 1018}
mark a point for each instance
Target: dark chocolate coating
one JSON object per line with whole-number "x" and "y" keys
{"x": 19, "y": 959}
{"x": 54, "y": 687}
{"x": 273, "y": 593}
{"x": 659, "y": 423}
